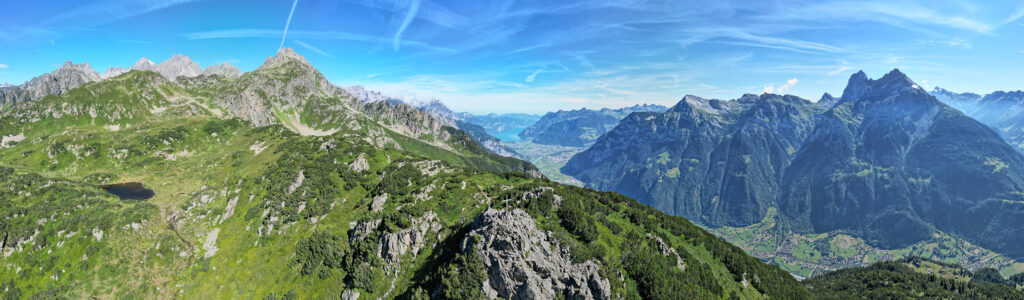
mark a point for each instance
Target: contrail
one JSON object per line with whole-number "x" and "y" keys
{"x": 414, "y": 7}
{"x": 286, "y": 24}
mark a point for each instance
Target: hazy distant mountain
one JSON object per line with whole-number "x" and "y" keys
{"x": 365, "y": 95}
{"x": 504, "y": 126}
{"x": 113, "y": 72}
{"x": 1003, "y": 111}
{"x": 888, "y": 163}
{"x": 579, "y": 127}
{"x": 442, "y": 113}
{"x": 65, "y": 78}
{"x": 223, "y": 69}
{"x": 965, "y": 102}
{"x": 181, "y": 65}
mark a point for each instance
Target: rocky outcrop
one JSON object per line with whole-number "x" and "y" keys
{"x": 394, "y": 245}
{"x": 223, "y": 69}
{"x": 523, "y": 263}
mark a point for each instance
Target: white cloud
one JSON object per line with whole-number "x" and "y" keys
{"x": 534, "y": 75}
{"x": 3, "y": 66}
{"x": 839, "y": 70}
{"x": 771, "y": 89}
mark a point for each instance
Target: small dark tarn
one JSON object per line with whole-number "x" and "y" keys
{"x": 129, "y": 190}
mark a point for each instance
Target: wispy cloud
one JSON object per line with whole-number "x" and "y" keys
{"x": 308, "y": 35}
{"x": 954, "y": 43}
{"x": 122, "y": 41}
{"x": 311, "y": 48}
{"x": 287, "y": 23}
{"x": 745, "y": 37}
{"x": 533, "y": 76}
{"x": 4, "y": 66}
{"x": 1016, "y": 15}
{"x": 414, "y": 7}
{"x": 106, "y": 11}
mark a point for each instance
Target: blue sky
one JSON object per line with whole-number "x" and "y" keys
{"x": 536, "y": 56}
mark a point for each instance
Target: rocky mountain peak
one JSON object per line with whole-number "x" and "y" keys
{"x": 283, "y": 55}
{"x": 827, "y": 100}
{"x": 144, "y": 64}
{"x": 82, "y": 67}
{"x": 894, "y": 82}
{"x": 856, "y": 86}
{"x": 179, "y": 65}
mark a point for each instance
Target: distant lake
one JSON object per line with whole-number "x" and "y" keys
{"x": 129, "y": 190}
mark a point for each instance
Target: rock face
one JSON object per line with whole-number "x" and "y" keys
{"x": 579, "y": 128}
{"x": 58, "y": 82}
{"x": 522, "y": 263}
{"x": 223, "y": 69}
{"x": 394, "y": 245}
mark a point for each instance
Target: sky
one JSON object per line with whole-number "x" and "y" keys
{"x": 536, "y": 56}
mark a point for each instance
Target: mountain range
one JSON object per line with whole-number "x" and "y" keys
{"x": 886, "y": 162}
{"x": 70, "y": 76}
{"x": 579, "y": 128}
{"x": 1003, "y": 111}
